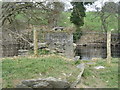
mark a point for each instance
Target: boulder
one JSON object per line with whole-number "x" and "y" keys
{"x": 44, "y": 83}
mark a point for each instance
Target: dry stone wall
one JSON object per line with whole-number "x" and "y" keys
{"x": 61, "y": 42}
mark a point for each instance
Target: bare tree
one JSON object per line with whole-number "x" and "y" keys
{"x": 54, "y": 13}
{"x": 110, "y": 9}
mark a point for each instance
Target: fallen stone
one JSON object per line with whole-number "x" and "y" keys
{"x": 30, "y": 83}
{"x": 45, "y": 83}
{"x": 76, "y": 58}
{"x": 90, "y": 63}
{"x": 82, "y": 65}
{"x": 99, "y": 67}
{"x": 22, "y": 86}
{"x": 42, "y": 85}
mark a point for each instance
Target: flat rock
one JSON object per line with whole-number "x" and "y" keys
{"x": 82, "y": 65}
{"x": 76, "y": 58}
{"x": 45, "y": 83}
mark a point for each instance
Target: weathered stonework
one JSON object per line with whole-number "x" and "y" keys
{"x": 9, "y": 44}
{"x": 62, "y": 42}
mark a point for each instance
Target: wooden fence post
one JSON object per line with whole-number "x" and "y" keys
{"x": 1, "y": 48}
{"x": 35, "y": 42}
{"x": 109, "y": 47}
{"x": 1, "y": 33}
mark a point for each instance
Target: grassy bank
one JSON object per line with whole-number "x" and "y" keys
{"x": 101, "y": 78}
{"x": 15, "y": 70}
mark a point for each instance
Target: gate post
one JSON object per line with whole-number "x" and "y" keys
{"x": 35, "y": 42}
{"x": 109, "y": 47}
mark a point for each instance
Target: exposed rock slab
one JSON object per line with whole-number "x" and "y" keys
{"x": 44, "y": 83}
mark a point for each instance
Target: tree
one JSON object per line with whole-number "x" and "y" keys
{"x": 109, "y": 10}
{"x": 77, "y": 17}
{"x": 54, "y": 13}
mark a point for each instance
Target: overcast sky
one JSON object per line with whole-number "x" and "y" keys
{"x": 98, "y": 3}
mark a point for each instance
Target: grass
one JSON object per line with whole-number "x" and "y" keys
{"x": 101, "y": 78}
{"x": 15, "y": 70}
{"x": 92, "y": 22}
{"x": 41, "y": 52}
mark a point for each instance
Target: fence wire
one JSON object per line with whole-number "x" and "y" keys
{"x": 90, "y": 45}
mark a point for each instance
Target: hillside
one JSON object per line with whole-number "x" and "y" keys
{"x": 92, "y": 22}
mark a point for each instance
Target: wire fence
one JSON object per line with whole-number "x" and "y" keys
{"x": 94, "y": 45}
{"x": 90, "y": 45}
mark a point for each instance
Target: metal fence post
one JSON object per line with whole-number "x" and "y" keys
{"x": 108, "y": 46}
{"x": 35, "y": 42}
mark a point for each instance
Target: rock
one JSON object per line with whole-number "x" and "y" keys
{"x": 59, "y": 50}
{"x": 99, "y": 67}
{"x": 47, "y": 49}
{"x": 53, "y": 51}
{"x": 95, "y": 59}
{"x": 58, "y": 28}
{"x": 42, "y": 85}
{"x": 90, "y": 63}
{"x": 22, "y": 52}
{"x": 40, "y": 45}
{"x": 22, "y": 86}
{"x": 57, "y": 83}
{"x": 45, "y": 83}
{"x": 30, "y": 83}
{"x": 81, "y": 65}
{"x": 74, "y": 45}
{"x": 76, "y": 58}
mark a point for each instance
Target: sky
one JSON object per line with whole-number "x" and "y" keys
{"x": 98, "y": 3}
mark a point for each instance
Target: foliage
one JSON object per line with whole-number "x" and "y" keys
{"x": 77, "y": 35}
{"x": 38, "y": 13}
{"x": 110, "y": 9}
{"x": 93, "y": 22}
{"x": 77, "y": 18}
{"x": 54, "y": 15}
{"x": 41, "y": 52}
{"x": 78, "y": 14}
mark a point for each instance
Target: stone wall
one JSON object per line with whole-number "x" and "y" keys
{"x": 8, "y": 44}
{"x": 62, "y": 42}
{"x": 1, "y": 51}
